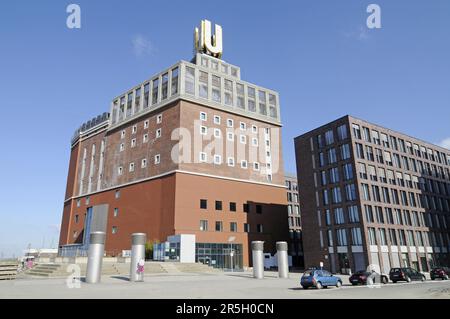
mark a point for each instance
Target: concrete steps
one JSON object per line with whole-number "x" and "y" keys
{"x": 8, "y": 270}
{"x": 114, "y": 269}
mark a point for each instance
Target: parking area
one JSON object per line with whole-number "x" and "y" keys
{"x": 220, "y": 286}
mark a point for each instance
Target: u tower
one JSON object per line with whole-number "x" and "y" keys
{"x": 193, "y": 150}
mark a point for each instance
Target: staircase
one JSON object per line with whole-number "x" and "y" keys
{"x": 49, "y": 270}
{"x": 8, "y": 270}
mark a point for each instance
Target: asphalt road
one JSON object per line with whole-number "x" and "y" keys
{"x": 221, "y": 286}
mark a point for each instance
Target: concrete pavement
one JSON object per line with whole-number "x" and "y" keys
{"x": 216, "y": 286}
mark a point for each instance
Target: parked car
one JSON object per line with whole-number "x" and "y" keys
{"x": 361, "y": 277}
{"x": 319, "y": 279}
{"x": 405, "y": 274}
{"x": 440, "y": 272}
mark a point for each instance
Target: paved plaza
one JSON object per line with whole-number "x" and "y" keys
{"x": 220, "y": 286}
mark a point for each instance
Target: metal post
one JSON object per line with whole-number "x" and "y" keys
{"x": 282, "y": 257}
{"x": 95, "y": 257}
{"x": 258, "y": 259}
{"x": 137, "y": 256}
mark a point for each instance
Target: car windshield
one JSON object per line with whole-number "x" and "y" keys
{"x": 308, "y": 273}
{"x": 395, "y": 270}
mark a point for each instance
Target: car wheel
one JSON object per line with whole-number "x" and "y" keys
{"x": 408, "y": 279}
{"x": 354, "y": 284}
{"x": 446, "y": 277}
{"x": 432, "y": 278}
{"x": 339, "y": 284}
{"x": 423, "y": 278}
{"x": 384, "y": 280}
{"x": 305, "y": 287}
{"x": 394, "y": 281}
{"x": 319, "y": 285}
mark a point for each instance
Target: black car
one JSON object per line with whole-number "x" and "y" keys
{"x": 440, "y": 272}
{"x": 405, "y": 274}
{"x": 361, "y": 277}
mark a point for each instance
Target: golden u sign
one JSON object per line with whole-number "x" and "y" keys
{"x": 204, "y": 42}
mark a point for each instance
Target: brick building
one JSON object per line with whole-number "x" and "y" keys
{"x": 370, "y": 195}
{"x": 192, "y": 150}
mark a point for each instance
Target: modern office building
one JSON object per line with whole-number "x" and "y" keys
{"x": 371, "y": 195}
{"x": 192, "y": 150}
{"x": 295, "y": 229}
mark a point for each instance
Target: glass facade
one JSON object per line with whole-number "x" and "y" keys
{"x": 223, "y": 256}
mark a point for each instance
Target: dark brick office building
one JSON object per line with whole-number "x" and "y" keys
{"x": 370, "y": 195}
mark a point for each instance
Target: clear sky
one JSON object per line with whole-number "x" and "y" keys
{"x": 319, "y": 55}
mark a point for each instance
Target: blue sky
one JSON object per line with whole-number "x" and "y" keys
{"x": 319, "y": 55}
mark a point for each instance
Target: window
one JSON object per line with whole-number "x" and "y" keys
{"x": 122, "y": 134}
{"x": 339, "y": 216}
{"x": 116, "y": 212}
{"x": 342, "y": 132}
{"x": 350, "y": 192}
{"x": 203, "y": 225}
{"x": 359, "y": 151}
{"x": 243, "y": 164}
{"x": 242, "y": 126}
{"x": 243, "y": 139}
{"x": 203, "y": 85}
{"x": 372, "y": 236}
{"x": 332, "y": 158}
{"x": 353, "y": 214}
{"x": 131, "y": 168}
{"x": 217, "y": 159}
{"x": 146, "y": 94}
{"x": 203, "y": 204}
{"x": 356, "y": 131}
{"x": 203, "y": 130}
{"x": 228, "y": 92}
{"x": 114, "y": 230}
{"x": 217, "y": 133}
{"x": 202, "y": 157}
{"x": 341, "y": 235}
{"x": 157, "y": 159}
{"x": 245, "y": 208}
{"x": 189, "y": 84}
{"x": 348, "y": 171}
{"x": 217, "y": 119}
{"x": 203, "y": 116}
{"x": 155, "y": 90}
{"x": 145, "y": 138}
{"x": 246, "y": 228}
{"x": 259, "y": 228}
{"x": 158, "y": 133}
{"x": 120, "y": 170}
{"x": 121, "y": 147}
{"x": 240, "y": 101}
{"x": 336, "y": 195}
{"x": 230, "y": 161}
{"x": 254, "y": 141}
{"x": 262, "y": 102}
{"x": 159, "y": 119}
{"x": 345, "y": 151}
{"x": 254, "y": 129}
{"x": 232, "y": 206}
{"x": 133, "y": 142}
{"x": 218, "y": 205}
{"x": 329, "y": 137}
{"x": 76, "y": 219}
{"x": 230, "y": 136}
{"x": 117, "y": 194}
{"x": 134, "y": 129}
{"x": 356, "y": 236}
{"x": 233, "y": 227}
{"x": 219, "y": 226}
{"x": 334, "y": 175}
{"x": 165, "y": 86}
{"x": 230, "y": 123}
{"x": 256, "y": 166}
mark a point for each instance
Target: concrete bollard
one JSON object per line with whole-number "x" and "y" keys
{"x": 137, "y": 256}
{"x": 95, "y": 257}
{"x": 282, "y": 258}
{"x": 258, "y": 259}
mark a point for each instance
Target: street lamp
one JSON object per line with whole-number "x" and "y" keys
{"x": 230, "y": 240}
